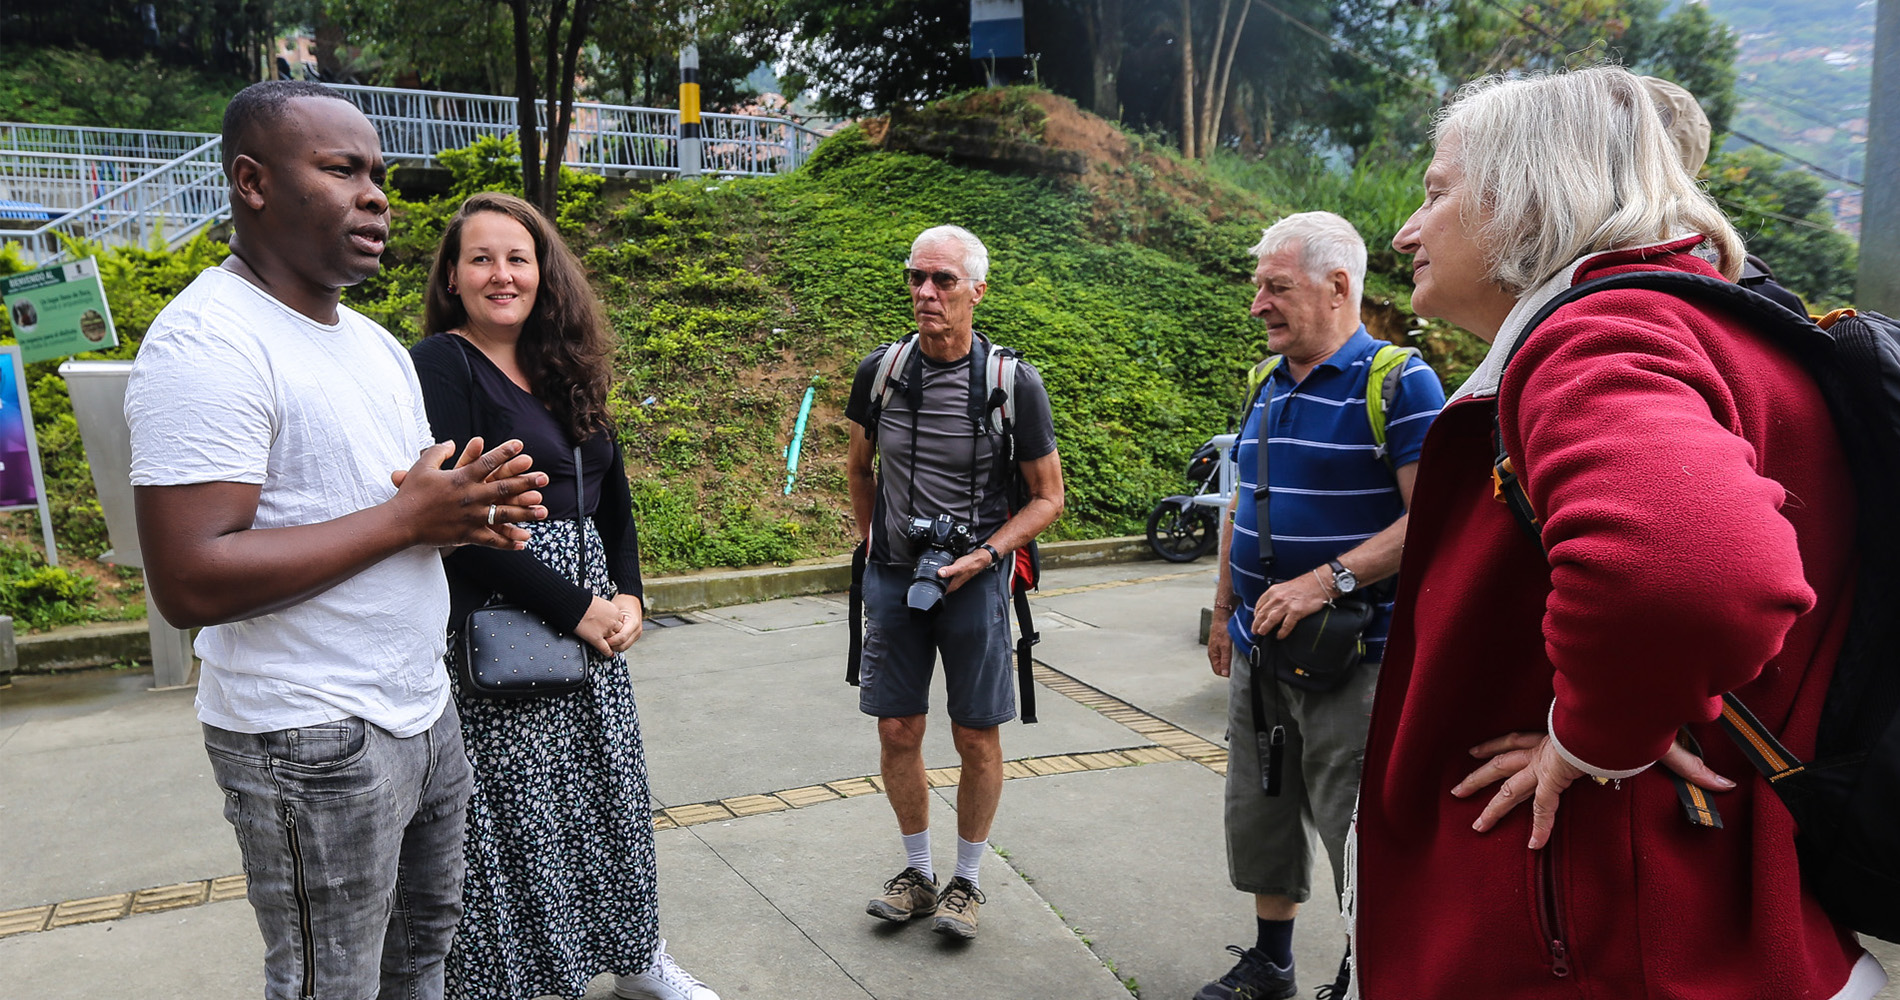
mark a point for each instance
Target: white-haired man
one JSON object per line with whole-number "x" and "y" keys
{"x": 1342, "y": 417}
{"x": 928, "y": 451}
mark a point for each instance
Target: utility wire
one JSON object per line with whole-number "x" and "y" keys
{"x": 1766, "y": 98}
{"x": 1784, "y": 154}
{"x": 1755, "y": 80}
{"x": 1754, "y": 210}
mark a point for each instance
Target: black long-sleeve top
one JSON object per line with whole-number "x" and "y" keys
{"x": 466, "y": 395}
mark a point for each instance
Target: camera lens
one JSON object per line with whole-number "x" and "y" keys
{"x": 926, "y": 587}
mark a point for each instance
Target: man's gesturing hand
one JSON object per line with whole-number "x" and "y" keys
{"x": 451, "y": 506}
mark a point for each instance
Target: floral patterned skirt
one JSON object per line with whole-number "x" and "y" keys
{"x": 561, "y": 883}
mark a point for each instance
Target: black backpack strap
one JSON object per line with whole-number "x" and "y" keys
{"x": 1792, "y": 329}
{"x": 855, "y": 657}
{"x": 1026, "y": 640}
{"x": 1696, "y": 805}
{"x": 1758, "y": 744}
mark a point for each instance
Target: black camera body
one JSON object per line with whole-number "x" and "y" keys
{"x": 943, "y": 540}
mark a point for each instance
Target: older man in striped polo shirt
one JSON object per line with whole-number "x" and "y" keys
{"x": 1335, "y": 517}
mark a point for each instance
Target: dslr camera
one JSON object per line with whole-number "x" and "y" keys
{"x": 943, "y": 540}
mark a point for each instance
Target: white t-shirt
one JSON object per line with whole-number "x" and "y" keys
{"x": 231, "y": 385}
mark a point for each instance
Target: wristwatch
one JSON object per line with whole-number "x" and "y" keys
{"x": 1343, "y": 580}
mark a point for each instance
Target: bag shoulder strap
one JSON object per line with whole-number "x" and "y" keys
{"x": 890, "y": 371}
{"x": 1382, "y": 383}
{"x": 998, "y": 395}
{"x": 580, "y": 515}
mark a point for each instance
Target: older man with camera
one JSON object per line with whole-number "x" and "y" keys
{"x": 1300, "y": 610}
{"x": 953, "y": 469}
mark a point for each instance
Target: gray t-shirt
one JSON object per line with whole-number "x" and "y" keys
{"x": 949, "y": 464}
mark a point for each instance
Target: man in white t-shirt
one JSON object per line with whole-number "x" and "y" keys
{"x": 290, "y": 499}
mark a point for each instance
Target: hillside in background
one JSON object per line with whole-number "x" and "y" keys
{"x": 1802, "y": 84}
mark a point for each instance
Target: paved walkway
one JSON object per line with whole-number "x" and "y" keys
{"x": 118, "y": 874}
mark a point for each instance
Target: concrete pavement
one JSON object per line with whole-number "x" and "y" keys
{"x": 1107, "y": 878}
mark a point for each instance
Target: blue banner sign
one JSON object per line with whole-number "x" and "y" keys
{"x": 996, "y": 29}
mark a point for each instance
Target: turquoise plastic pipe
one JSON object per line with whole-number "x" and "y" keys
{"x": 798, "y": 438}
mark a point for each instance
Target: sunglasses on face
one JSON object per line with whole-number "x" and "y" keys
{"x": 944, "y": 280}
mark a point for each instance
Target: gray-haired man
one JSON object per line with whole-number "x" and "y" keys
{"x": 921, "y": 453}
{"x": 1335, "y": 514}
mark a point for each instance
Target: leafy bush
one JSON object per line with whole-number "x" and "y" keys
{"x": 1782, "y": 214}
{"x": 80, "y": 87}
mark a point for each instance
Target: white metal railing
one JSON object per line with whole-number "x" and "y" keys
{"x": 48, "y": 184}
{"x": 76, "y": 140}
{"x": 166, "y": 205}
{"x": 604, "y": 138}
{"x": 119, "y": 186}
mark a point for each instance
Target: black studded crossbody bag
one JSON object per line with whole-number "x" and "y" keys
{"x": 509, "y": 651}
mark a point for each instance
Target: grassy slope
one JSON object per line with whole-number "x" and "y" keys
{"x": 762, "y": 287}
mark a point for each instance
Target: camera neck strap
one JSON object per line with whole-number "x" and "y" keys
{"x": 914, "y": 375}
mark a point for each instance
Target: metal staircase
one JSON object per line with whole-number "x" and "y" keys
{"x": 120, "y": 186}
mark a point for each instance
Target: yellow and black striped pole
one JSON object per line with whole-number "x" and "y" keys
{"x": 689, "y": 103}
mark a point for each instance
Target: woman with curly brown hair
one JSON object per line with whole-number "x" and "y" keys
{"x": 561, "y": 883}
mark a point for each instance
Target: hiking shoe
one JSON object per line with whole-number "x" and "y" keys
{"x": 956, "y": 911}
{"x": 1254, "y": 977}
{"x": 909, "y": 894}
{"x": 663, "y": 980}
{"x": 1336, "y": 990}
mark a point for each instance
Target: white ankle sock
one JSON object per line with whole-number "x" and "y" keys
{"x": 917, "y": 852}
{"x": 969, "y": 857}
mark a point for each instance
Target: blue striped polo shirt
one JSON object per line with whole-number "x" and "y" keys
{"x": 1330, "y": 488}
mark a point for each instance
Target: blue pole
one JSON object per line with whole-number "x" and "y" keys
{"x": 798, "y": 438}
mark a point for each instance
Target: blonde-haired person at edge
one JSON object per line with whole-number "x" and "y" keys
{"x": 1688, "y": 127}
{"x": 1697, "y": 539}
{"x": 561, "y": 880}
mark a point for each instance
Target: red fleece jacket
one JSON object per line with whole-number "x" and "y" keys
{"x": 1699, "y": 519}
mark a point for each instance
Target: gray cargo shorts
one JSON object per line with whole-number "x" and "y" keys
{"x": 1270, "y": 838}
{"x": 971, "y": 630}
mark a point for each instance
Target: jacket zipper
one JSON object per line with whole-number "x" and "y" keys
{"x": 1549, "y": 919}
{"x": 302, "y": 891}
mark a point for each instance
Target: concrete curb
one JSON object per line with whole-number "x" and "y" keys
{"x": 81, "y": 646}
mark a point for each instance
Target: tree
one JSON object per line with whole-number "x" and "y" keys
{"x": 634, "y": 55}
{"x": 223, "y": 36}
{"x": 1213, "y": 71}
{"x": 1782, "y": 213}
{"x": 1079, "y": 45}
{"x": 426, "y": 43}
{"x": 871, "y": 57}
{"x": 562, "y": 28}
{"x": 1689, "y": 46}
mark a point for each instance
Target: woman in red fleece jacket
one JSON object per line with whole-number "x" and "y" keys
{"x": 1699, "y": 525}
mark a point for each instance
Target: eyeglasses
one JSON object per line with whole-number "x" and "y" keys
{"x": 944, "y": 280}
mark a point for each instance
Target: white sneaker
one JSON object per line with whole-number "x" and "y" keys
{"x": 663, "y": 980}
